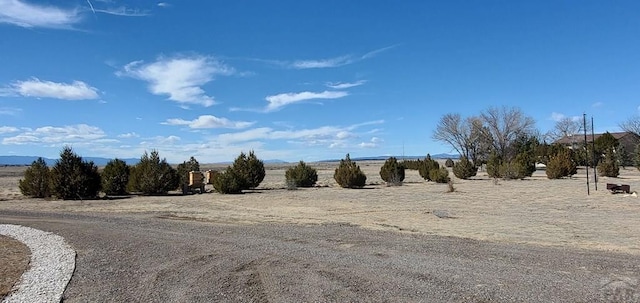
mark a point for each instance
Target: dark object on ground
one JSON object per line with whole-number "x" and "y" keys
{"x": 618, "y": 188}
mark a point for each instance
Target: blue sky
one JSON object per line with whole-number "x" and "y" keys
{"x": 301, "y": 80}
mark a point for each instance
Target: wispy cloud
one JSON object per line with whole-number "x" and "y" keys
{"x": 57, "y": 135}
{"x": 8, "y": 129}
{"x": 376, "y": 52}
{"x": 345, "y": 85}
{"x": 209, "y": 121}
{"x": 163, "y": 4}
{"x": 128, "y": 135}
{"x": 278, "y": 101}
{"x": 559, "y": 117}
{"x": 322, "y": 63}
{"x": 181, "y": 78}
{"x": 373, "y": 143}
{"x": 597, "y": 104}
{"x": 10, "y": 111}
{"x": 123, "y": 12}
{"x": 23, "y": 14}
{"x": 329, "y": 136}
{"x": 76, "y": 90}
{"x": 338, "y": 61}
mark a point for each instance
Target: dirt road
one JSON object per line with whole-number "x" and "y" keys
{"x": 144, "y": 258}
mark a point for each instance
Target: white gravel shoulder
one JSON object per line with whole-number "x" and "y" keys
{"x": 51, "y": 266}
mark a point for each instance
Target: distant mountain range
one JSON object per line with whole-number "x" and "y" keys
{"x": 376, "y": 158}
{"x": 27, "y": 160}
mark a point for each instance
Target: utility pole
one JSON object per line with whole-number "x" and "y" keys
{"x": 593, "y": 155}
{"x": 584, "y": 126}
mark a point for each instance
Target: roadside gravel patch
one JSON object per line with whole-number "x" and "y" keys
{"x": 51, "y": 266}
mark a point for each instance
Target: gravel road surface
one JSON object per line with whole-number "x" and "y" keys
{"x": 147, "y": 258}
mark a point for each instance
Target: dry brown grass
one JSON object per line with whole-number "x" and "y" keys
{"x": 536, "y": 210}
{"x": 14, "y": 257}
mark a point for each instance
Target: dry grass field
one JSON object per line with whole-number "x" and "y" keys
{"x": 535, "y": 210}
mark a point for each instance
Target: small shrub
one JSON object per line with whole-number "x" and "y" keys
{"x": 448, "y": 163}
{"x": 73, "y": 178}
{"x": 411, "y": 164}
{"x": 301, "y": 175}
{"x": 349, "y": 175}
{"x": 426, "y": 166}
{"x": 636, "y": 157}
{"x": 36, "y": 180}
{"x": 439, "y": 175}
{"x": 450, "y": 187}
{"x": 561, "y": 165}
{"x": 493, "y": 166}
{"x": 115, "y": 177}
{"x": 250, "y": 170}
{"x": 154, "y": 176}
{"x": 392, "y": 172}
{"x": 464, "y": 169}
{"x": 609, "y": 167}
{"x": 228, "y": 182}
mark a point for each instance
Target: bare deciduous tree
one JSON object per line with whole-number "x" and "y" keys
{"x": 502, "y": 126}
{"x": 631, "y": 125}
{"x": 455, "y": 131}
{"x": 463, "y": 135}
{"x": 565, "y": 127}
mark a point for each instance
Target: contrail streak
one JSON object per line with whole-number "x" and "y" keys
{"x": 91, "y": 6}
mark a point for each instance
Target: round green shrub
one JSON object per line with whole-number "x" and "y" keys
{"x": 448, "y": 163}
{"x": 73, "y": 178}
{"x": 349, "y": 175}
{"x": 250, "y": 170}
{"x": 228, "y": 182}
{"x": 561, "y": 165}
{"x": 115, "y": 177}
{"x": 464, "y": 169}
{"x": 439, "y": 175}
{"x": 301, "y": 175}
{"x": 36, "y": 180}
{"x": 609, "y": 166}
{"x": 392, "y": 172}
{"x": 154, "y": 176}
{"x": 426, "y": 166}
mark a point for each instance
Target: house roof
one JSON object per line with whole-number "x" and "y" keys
{"x": 577, "y": 138}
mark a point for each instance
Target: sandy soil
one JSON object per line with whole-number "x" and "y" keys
{"x": 14, "y": 257}
{"x": 535, "y": 211}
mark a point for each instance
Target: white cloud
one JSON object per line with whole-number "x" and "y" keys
{"x": 161, "y": 140}
{"x": 123, "y": 12}
{"x": 8, "y": 129}
{"x": 77, "y": 90}
{"x": 181, "y": 78}
{"x": 558, "y": 117}
{"x": 129, "y": 135}
{"x": 209, "y": 121}
{"x": 50, "y": 134}
{"x": 330, "y": 136}
{"x": 331, "y": 62}
{"x": 373, "y": 143}
{"x": 280, "y": 100}
{"x": 322, "y": 63}
{"x": 28, "y": 15}
{"x": 345, "y": 85}
{"x": 163, "y": 4}
{"x": 597, "y": 104}
{"x": 10, "y": 111}
{"x": 376, "y": 52}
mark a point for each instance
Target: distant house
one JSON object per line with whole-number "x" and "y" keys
{"x": 627, "y": 140}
